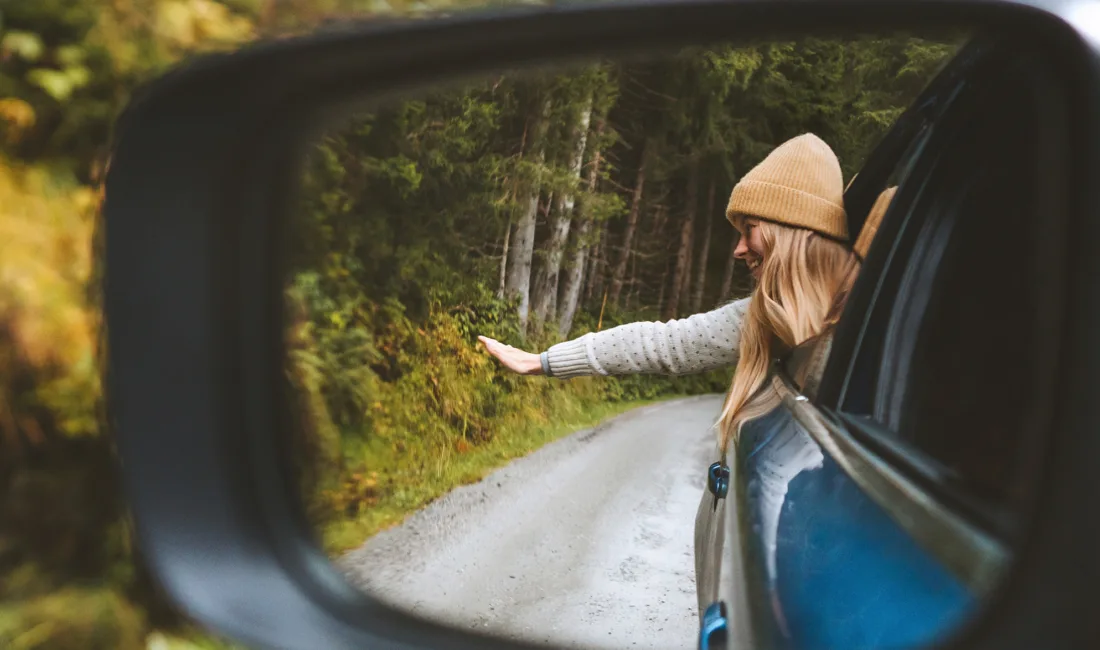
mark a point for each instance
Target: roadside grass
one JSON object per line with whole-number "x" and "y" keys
{"x": 403, "y": 492}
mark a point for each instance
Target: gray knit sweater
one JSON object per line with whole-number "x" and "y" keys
{"x": 678, "y": 347}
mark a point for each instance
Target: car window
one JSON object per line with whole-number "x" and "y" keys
{"x": 805, "y": 364}
{"x": 947, "y": 374}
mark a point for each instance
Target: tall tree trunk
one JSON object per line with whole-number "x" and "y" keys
{"x": 631, "y": 225}
{"x": 632, "y": 295}
{"x": 509, "y": 227}
{"x": 518, "y": 282}
{"x": 683, "y": 254}
{"x": 546, "y": 282}
{"x": 685, "y": 287}
{"x": 574, "y": 275}
{"x": 504, "y": 260}
{"x": 664, "y": 286}
{"x": 597, "y": 265}
{"x": 659, "y": 220}
{"x": 704, "y": 253}
{"x": 545, "y": 205}
{"x": 727, "y": 275}
{"x": 593, "y": 264}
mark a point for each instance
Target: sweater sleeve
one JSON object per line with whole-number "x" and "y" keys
{"x": 690, "y": 345}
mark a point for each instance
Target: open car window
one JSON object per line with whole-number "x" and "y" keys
{"x": 947, "y": 376}
{"x": 870, "y": 195}
{"x": 937, "y": 365}
{"x": 805, "y": 365}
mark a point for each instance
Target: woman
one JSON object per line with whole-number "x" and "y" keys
{"x": 804, "y": 177}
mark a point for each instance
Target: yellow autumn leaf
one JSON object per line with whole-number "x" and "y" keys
{"x": 174, "y": 23}
{"x": 70, "y": 55}
{"x": 194, "y": 24}
{"x": 18, "y": 116}
{"x": 56, "y": 83}
{"x": 45, "y": 263}
{"x": 215, "y": 22}
{"x": 26, "y": 45}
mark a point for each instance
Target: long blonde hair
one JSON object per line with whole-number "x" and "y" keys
{"x": 803, "y": 280}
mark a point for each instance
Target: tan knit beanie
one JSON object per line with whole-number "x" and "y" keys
{"x": 874, "y": 218}
{"x": 799, "y": 184}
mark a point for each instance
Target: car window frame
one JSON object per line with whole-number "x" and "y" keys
{"x": 904, "y": 480}
{"x": 924, "y": 240}
{"x": 905, "y": 143}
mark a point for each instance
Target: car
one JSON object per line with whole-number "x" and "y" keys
{"x": 878, "y": 504}
{"x": 929, "y": 474}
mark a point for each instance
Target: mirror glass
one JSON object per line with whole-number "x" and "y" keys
{"x": 615, "y": 215}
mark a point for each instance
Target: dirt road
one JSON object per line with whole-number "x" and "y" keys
{"x": 587, "y": 543}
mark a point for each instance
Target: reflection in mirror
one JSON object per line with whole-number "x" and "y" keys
{"x": 604, "y": 225}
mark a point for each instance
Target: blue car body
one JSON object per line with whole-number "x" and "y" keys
{"x": 831, "y": 569}
{"x": 795, "y": 554}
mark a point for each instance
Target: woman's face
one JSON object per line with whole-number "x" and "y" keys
{"x": 751, "y": 246}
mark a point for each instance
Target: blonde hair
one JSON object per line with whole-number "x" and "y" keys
{"x": 804, "y": 280}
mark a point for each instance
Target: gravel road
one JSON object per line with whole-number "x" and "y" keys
{"x": 586, "y": 543}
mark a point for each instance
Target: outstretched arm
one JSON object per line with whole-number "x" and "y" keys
{"x": 690, "y": 345}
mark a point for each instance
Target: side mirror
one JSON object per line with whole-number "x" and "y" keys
{"x": 205, "y": 216}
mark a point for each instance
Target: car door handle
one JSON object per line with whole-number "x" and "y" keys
{"x": 714, "y": 629}
{"x": 718, "y": 480}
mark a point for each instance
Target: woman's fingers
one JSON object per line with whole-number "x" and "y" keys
{"x": 497, "y": 349}
{"x": 515, "y": 360}
{"x": 494, "y": 347}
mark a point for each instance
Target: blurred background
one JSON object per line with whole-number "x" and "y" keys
{"x": 372, "y": 318}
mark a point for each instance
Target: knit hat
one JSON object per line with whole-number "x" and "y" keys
{"x": 874, "y": 218}
{"x": 799, "y": 184}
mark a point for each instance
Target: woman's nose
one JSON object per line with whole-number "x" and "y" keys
{"x": 742, "y": 248}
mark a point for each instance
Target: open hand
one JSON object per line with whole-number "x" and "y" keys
{"x": 525, "y": 363}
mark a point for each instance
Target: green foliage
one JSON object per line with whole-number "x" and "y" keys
{"x": 73, "y": 618}
{"x": 73, "y": 64}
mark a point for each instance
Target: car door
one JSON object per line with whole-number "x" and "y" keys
{"x": 877, "y": 505}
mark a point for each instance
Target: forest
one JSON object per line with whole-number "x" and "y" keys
{"x": 529, "y": 207}
{"x": 533, "y": 207}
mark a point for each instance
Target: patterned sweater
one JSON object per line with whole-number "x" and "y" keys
{"x": 678, "y": 347}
